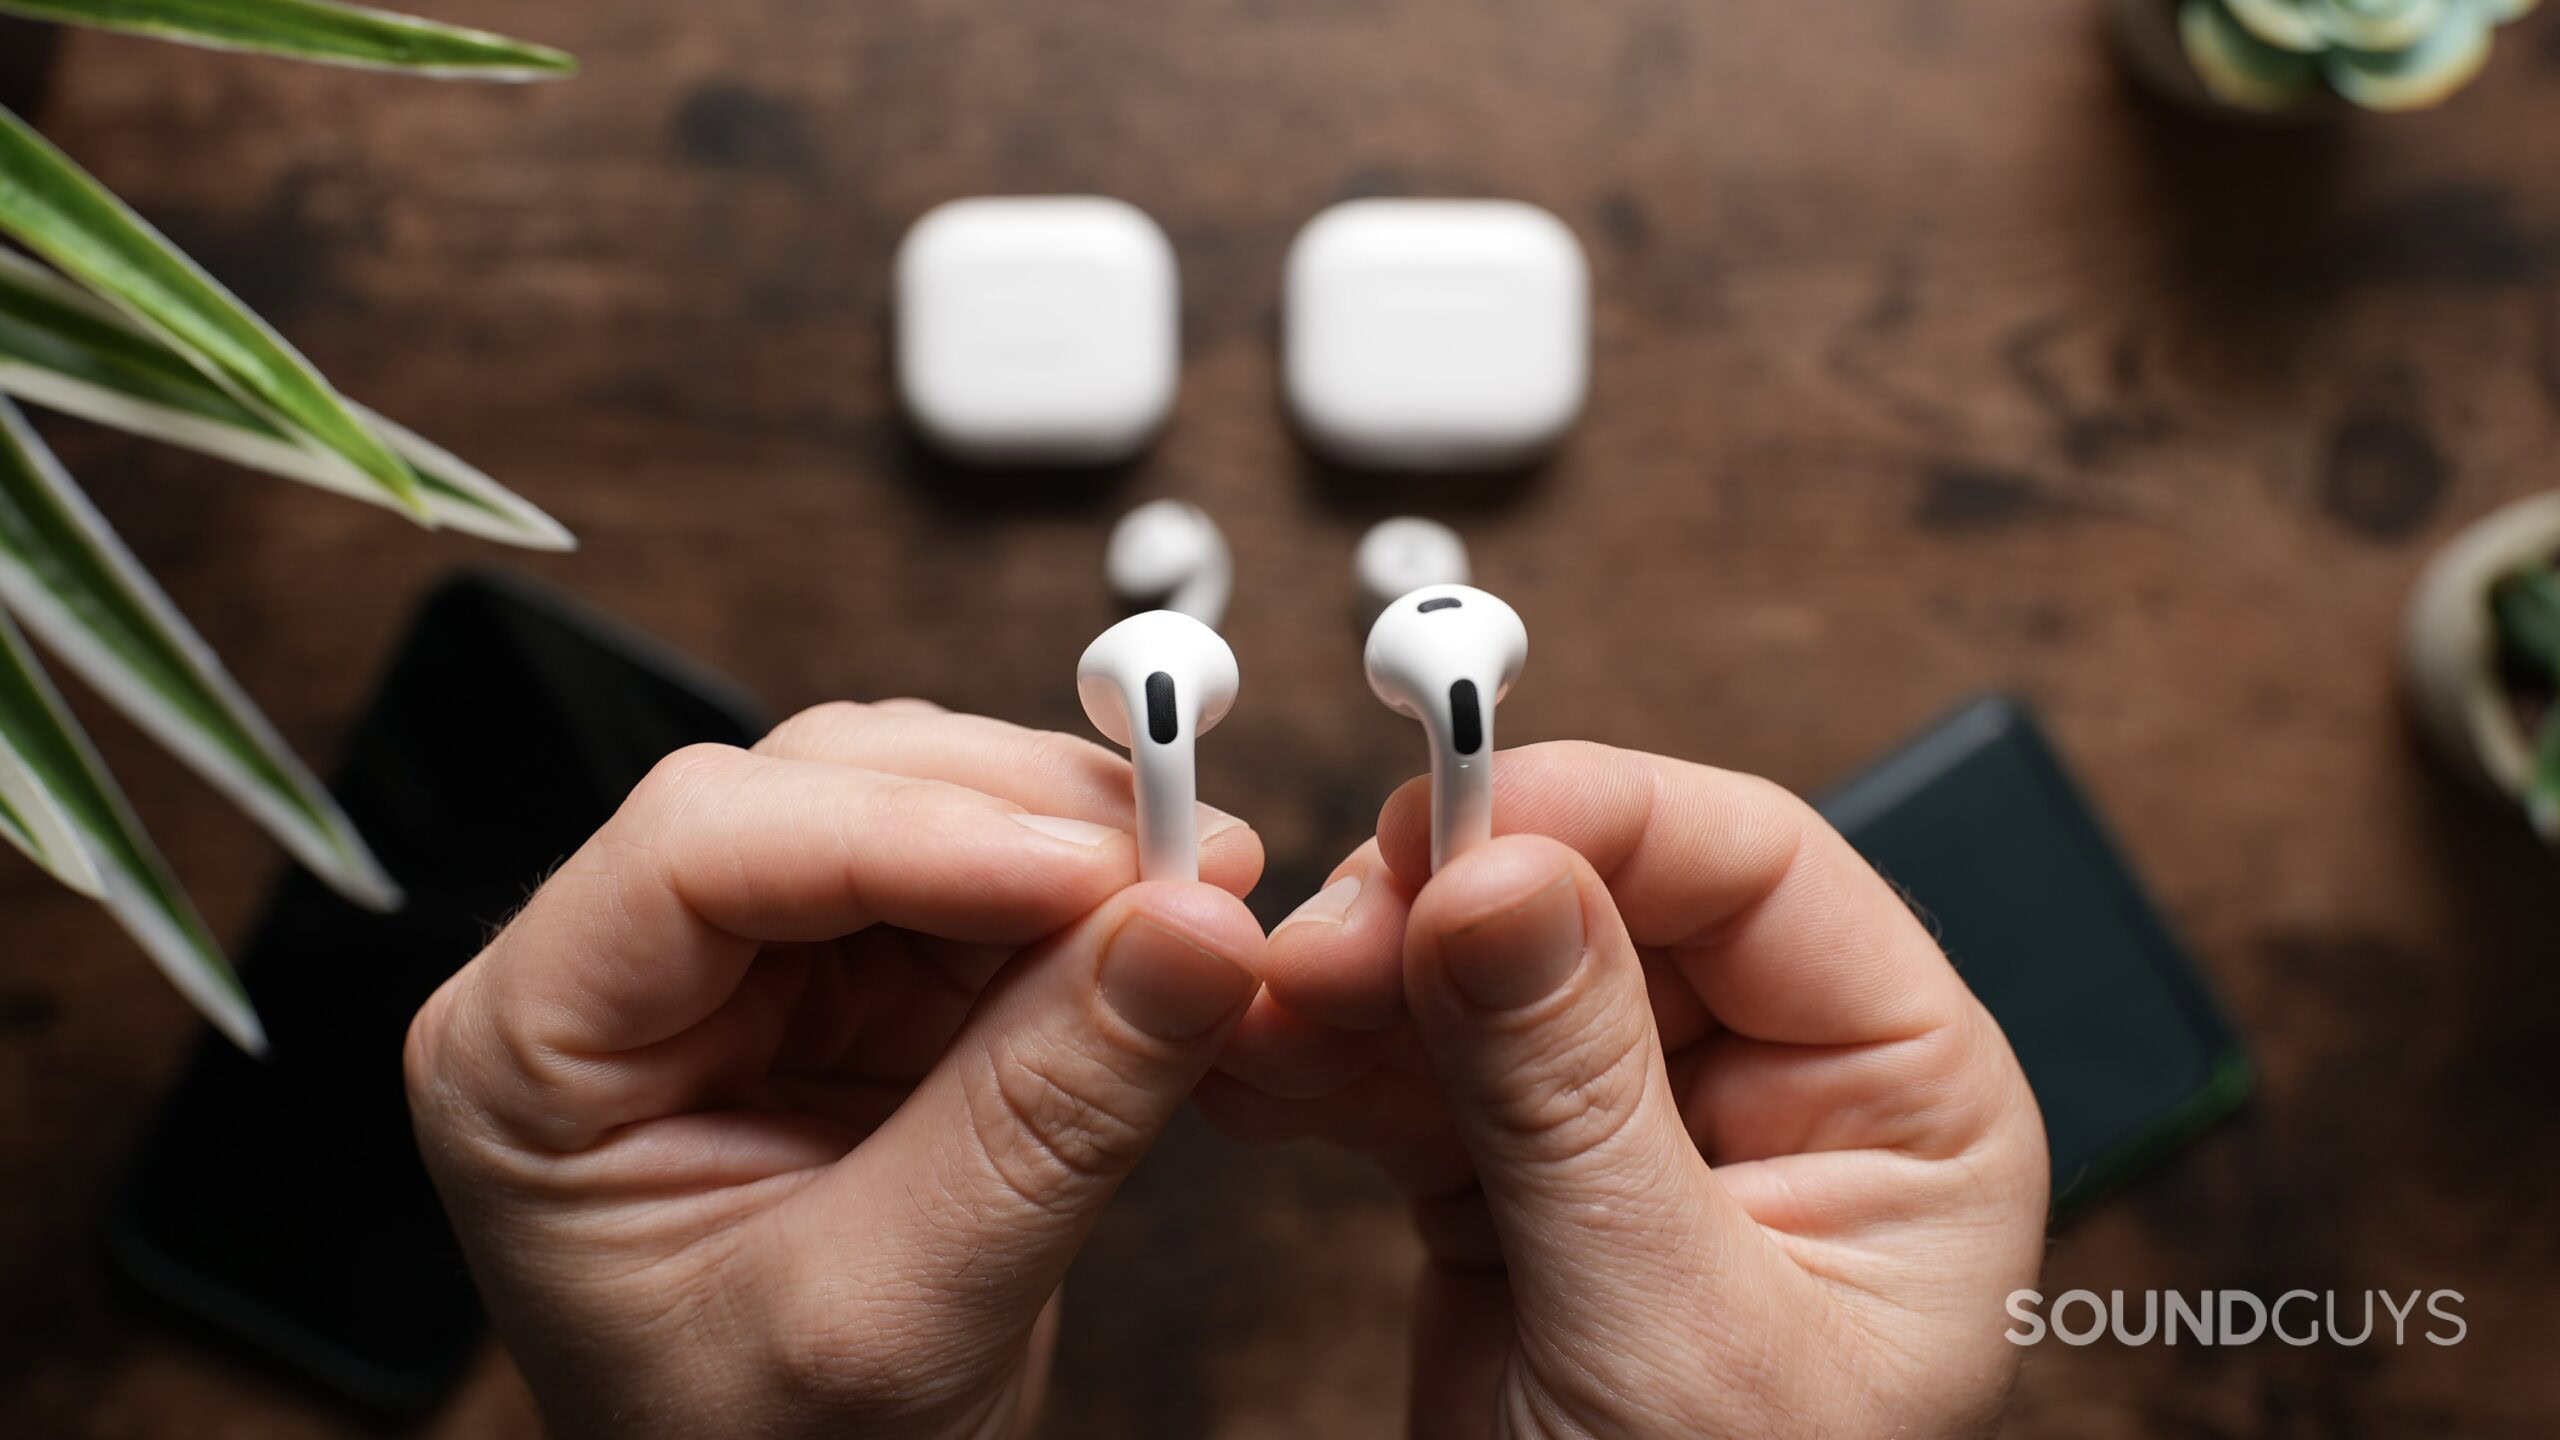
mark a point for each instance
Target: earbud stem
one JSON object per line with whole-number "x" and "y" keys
{"x": 1461, "y": 794}
{"x": 1168, "y": 813}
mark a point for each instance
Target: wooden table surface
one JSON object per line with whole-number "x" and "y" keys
{"x": 1930, "y": 358}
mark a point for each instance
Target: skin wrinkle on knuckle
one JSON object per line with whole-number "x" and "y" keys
{"x": 458, "y": 1139}
{"x": 895, "y": 1352}
{"x": 423, "y": 1048}
{"x": 816, "y": 730}
{"x": 1039, "y": 1135}
{"x": 1081, "y": 764}
{"x": 903, "y": 808}
{"x": 1768, "y": 873}
{"x": 1940, "y": 1105}
{"x": 1628, "y": 768}
{"x": 613, "y": 926}
{"x": 1579, "y": 1098}
{"x": 678, "y": 782}
{"x": 864, "y": 1367}
{"x": 721, "y": 868}
{"x": 540, "y": 1110}
{"x": 490, "y": 1125}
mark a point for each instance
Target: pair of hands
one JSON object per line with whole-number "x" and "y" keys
{"x": 785, "y": 1105}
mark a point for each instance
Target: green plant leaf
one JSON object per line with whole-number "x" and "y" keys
{"x": 64, "y": 349}
{"x": 32, "y": 816}
{"x": 2284, "y": 24}
{"x": 2527, "y": 606}
{"x": 2380, "y": 25}
{"x": 66, "y": 575}
{"x": 2542, "y": 795}
{"x": 39, "y": 737}
{"x": 2239, "y": 68}
{"x": 2425, "y": 73}
{"x": 313, "y": 30}
{"x": 54, "y": 208}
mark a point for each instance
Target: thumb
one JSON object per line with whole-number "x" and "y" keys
{"x": 1530, "y": 1001}
{"x": 986, "y": 1181}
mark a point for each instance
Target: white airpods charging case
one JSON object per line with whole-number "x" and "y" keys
{"x": 1437, "y": 334}
{"x": 1038, "y": 329}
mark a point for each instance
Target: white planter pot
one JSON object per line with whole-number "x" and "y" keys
{"x": 2448, "y": 647}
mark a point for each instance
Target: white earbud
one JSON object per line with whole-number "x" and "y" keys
{"x": 1153, "y": 683}
{"x": 1171, "y": 554}
{"x": 1446, "y": 655}
{"x": 1405, "y": 554}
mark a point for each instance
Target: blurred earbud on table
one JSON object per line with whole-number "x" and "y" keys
{"x": 1169, "y": 555}
{"x": 1402, "y": 555}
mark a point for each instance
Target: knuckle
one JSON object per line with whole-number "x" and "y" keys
{"x": 816, "y": 729}
{"x": 457, "y": 1103}
{"x": 1582, "y": 754}
{"x": 844, "y": 1363}
{"x": 1780, "y": 826}
{"x": 674, "y": 781}
{"x": 1043, "y": 1133}
{"x": 418, "y": 1047}
{"x": 1577, "y": 1099}
{"x": 422, "y": 1054}
{"x": 1767, "y": 797}
{"x": 907, "y": 802}
{"x": 1076, "y": 760}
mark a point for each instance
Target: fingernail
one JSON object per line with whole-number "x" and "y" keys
{"x": 1167, "y": 985}
{"x": 1214, "y": 821}
{"x": 1521, "y": 954}
{"x": 1328, "y": 906}
{"x": 1074, "y": 832}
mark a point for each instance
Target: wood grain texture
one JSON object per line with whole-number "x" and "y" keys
{"x": 1930, "y": 358}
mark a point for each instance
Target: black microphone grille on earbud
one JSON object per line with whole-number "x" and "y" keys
{"x": 1163, "y": 726}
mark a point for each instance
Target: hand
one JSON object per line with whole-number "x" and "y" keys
{"x": 1702, "y": 1134}
{"x": 783, "y": 1106}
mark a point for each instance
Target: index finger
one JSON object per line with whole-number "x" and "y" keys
{"x": 1785, "y": 932}
{"x": 651, "y": 925}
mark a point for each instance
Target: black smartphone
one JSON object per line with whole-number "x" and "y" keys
{"x": 282, "y": 1201}
{"x": 1996, "y": 847}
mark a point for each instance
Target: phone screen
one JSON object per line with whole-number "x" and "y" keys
{"x": 283, "y": 1200}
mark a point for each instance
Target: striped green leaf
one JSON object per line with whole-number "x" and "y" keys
{"x": 42, "y": 748}
{"x": 62, "y": 348}
{"x": 64, "y": 573}
{"x": 33, "y": 816}
{"x": 314, "y": 30}
{"x": 54, "y": 208}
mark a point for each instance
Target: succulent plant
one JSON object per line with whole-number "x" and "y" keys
{"x": 2379, "y": 54}
{"x": 2526, "y": 606}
